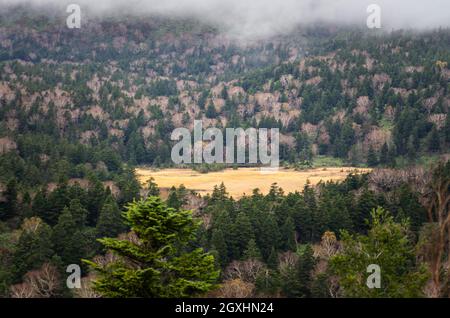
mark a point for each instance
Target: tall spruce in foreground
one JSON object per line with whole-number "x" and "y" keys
{"x": 158, "y": 263}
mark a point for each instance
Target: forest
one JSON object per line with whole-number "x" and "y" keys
{"x": 79, "y": 111}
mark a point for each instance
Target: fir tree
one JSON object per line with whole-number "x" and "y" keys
{"x": 110, "y": 222}
{"x": 252, "y": 251}
{"x": 305, "y": 267}
{"x": 159, "y": 264}
{"x": 384, "y": 154}
{"x": 288, "y": 233}
{"x": 434, "y": 140}
{"x": 243, "y": 233}
{"x": 372, "y": 159}
{"x": 219, "y": 244}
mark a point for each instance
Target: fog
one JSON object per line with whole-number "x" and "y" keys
{"x": 260, "y": 18}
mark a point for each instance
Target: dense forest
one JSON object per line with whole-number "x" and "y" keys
{"x": 79, "y": 110}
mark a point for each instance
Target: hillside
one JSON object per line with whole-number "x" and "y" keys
{"x": 121, "y": 85}
{"x": 86, "y": 113}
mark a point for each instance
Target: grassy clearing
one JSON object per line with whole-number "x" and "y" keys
{"x": 244, "y": 180}
{"x": 324, "y": 161}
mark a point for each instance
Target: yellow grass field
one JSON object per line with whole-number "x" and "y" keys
{"x": 244, "y": 180}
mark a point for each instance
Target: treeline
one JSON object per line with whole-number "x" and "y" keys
{"x": 58, "y": 227}
{"x": 313, "y": 243}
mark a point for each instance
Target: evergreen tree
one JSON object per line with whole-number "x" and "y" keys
{"x": 152, "y": 188}
{"x": 174, "y": 201}
{"x": 9, "y": 208}
{"x": 110, "y": 222}
{"x": 272, "y": 260}
{"x": 252, "y": 251}
{"x": 387, "y": 245}
{"x": 159, "y": 264}
{"x": 95, "y": 199}
{"x": 290, "y": 284}
{"x": 34, "y": 248}
{"x": 372, "y": 159}
{"x": 447, "y": 129}
{"x": 243, "y": 233}
{"x": 434, "y": 144}
{"x": 219, "y": 244}
{"x": 68, "y": 239}
{"x": 78, "y": 212}
{"x": 288, "y": 233}
{"x": 384, "y": 154}
{"x": 320, "y": 286}
{"x": 305, "y": 267}
{"x": 366, "y": 203}
{"x": 211, "y": 111}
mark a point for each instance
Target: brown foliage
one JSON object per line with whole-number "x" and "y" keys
{"x": 235, "y": 288}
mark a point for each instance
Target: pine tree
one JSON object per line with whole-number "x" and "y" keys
{"x": 10, "y": 207}
{"x": 160, "y": 263}
{"x": 152, "y": 188}
{"x": 320, "y": 286}
{"x": 56, "y": 202}
{"x": 447, "y": 129}
{"x": 219, "y": 244}
{"x": 243, "y": 233}
{"x": 252, "y": 251}
{"x": 40, "y": 204}
{"x": 95, "y": 199}
{"x": 434, "y": 141}
{"x": 110, "y": 222}
{"x": 211, "y": 111}
{"x": 372, "y": 159}
{"x": 173, "y": 201}
{"x": 305, "y": 267}
{"x": 366, "y": 203}
{"x": 34, "y": 248}
{"x": 272, "y": 260}
{"x": 288, "y": 233}
{"x": 68, "y": 239}
{"x": 384, "y": 153}
{"x": 78, "y": 212}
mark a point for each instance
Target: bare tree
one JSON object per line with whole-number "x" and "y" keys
{"x": 235, "y": 288}
{"x": 286, "y": 261}
{"x": 41, "y": 283}
{"x": 437, "y": 201}
{"x": 22, "y": 290}
{"x": 246, "y": 271}
{"x": 86, "y": 290}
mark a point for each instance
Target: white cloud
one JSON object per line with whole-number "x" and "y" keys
{"x": 252, "y": 18}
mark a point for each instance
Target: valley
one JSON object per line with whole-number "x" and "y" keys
{"x": 243, "y": 181}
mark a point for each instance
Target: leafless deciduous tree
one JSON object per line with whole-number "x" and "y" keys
{"x": 437, "y": 202}
{"x": 328, "y": 247}
{"x": 246, "y": 271}
{"x": 86, "y": 290}
{"x": 41, "y": 283}
{"x": 286, "y": 261}
{"x": 235, "y": 288}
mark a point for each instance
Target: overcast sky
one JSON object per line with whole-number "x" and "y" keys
{"x": 269, "y": 17}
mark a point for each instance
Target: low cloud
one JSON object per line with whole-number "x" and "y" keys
{"x": 260, "y": 18}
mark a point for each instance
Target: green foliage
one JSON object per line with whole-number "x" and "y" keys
{"x": 158, "y": 264}
{"x": 388, "y": 245}
{"x": 305, "y": 267}
{"x": 34, "y": 248}
{"x": 110, "y": 222}
{"x": 252, "y": 251}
